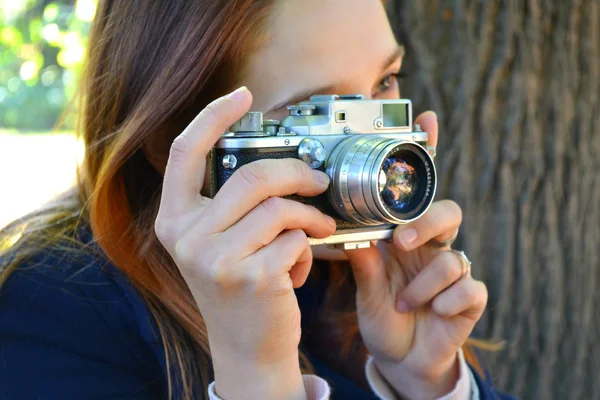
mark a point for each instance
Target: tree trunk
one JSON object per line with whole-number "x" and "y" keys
{"x": 516, "y": 87}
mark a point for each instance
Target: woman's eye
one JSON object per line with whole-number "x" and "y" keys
{"x": 388, "y": 83}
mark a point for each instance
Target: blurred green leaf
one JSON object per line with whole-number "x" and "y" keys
{"x": 10, "y": 36}
{"x": 42, "y": 45}
{"x": 35, "y": 30}
{"x": 51, "y": 12}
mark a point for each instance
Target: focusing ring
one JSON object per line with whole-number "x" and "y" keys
{"x": 354, "y": 167}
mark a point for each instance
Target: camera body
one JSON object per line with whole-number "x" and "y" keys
{"x": 381, "y": 169}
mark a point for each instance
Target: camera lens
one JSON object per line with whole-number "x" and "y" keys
{"x": 398, "y": 183}
{"x": 406, "y": 182}
{"x": 379, "y": 180}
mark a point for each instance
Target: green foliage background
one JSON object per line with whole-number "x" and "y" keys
{"x": 42, "y": 45}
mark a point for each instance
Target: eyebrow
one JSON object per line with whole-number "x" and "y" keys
{"x": 398, "y": 53}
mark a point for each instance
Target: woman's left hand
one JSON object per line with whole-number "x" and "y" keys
{"x": 416, "y": 307}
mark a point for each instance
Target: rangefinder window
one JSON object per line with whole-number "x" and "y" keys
{"x": 395, "y": 115}
{"x": 340, "y": 117}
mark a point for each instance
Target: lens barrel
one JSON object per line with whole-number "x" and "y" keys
{"x": 377, "y": 180}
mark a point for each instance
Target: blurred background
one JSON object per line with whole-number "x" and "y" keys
{"x": 516, "y": 86}
{"x": 42, "y": 45}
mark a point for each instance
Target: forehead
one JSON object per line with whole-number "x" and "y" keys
{"x": 314, "y": 43}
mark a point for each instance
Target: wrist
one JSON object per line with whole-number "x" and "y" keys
{"x": 428, "y": 384}
{"x": 237, "y": 378}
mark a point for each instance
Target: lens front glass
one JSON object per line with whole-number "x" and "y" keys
{"x": 398, "y": 183}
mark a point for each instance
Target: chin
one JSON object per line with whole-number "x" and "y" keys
{"x": 321, "y": 252}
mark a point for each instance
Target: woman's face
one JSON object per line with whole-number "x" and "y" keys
{"x": 323, "y": 47}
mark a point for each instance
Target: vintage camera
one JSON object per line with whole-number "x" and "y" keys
{"x": 382, "y": 171}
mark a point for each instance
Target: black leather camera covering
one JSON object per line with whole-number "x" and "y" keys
{"x": 246, "y": 156}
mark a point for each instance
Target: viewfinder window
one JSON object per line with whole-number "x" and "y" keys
{"x": 395, "y": 115}
{"x": 340, "y": 116}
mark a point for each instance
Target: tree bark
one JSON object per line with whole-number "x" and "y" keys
{"x": 516, "y": 87}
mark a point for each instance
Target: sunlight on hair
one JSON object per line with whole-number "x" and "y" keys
{"x": 12, "y": 239}
{"x": 488, "y": 345}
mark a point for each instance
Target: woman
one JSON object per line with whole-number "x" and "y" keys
{"x": 139, "y": 287}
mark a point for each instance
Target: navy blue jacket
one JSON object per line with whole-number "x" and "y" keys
{"x": 74, "y": 328}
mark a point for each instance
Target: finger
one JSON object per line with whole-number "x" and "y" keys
{"x": 184, "y": 174}
{"x": 466, "y": 297}
{"x": 274, "y": 215}
{"x": 289, "y": 252}
{"x": 429, "y": 123}
{"x": 256, "y": 182}
{"x": 368, "y": 268}
{"x": 440, "y": 222}
{"x": 445, "y": 269}
{"x": 300, "y": 270}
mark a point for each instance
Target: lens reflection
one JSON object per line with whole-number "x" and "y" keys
{"x": 398, "y": 182}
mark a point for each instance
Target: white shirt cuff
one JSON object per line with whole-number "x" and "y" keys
{"x": 465, "y": 388}
{"x": 316, "y": 388}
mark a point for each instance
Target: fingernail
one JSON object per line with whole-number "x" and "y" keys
{"x": 321, "y": 177}
{"x": 408, "y": 237}
{"x": 238, "y": 94}
{"x": 402, "y": 306}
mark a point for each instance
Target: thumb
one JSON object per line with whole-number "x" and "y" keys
{"x": 368, "y": 268}
{"x": 429, "y": 123}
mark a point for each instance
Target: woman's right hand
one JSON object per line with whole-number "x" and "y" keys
{"x": 242, "y": 254}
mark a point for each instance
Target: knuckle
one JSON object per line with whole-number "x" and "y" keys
{"x": 440, "y": 306}
{"x": 297, "y": 240}
{"x": 431, "y": 221}
{"x": 301, "y": 239}
{"x": 483, "y": 293}
{"x": 454, "y": 210}
{"x": 218, "y": 273}
{"x": 209, "y": 114}
{"x": 411, "y": 296}
{"x": 179, "y": 148}
{"x": 300, "y": 169}
{"x": 274, "y": 206}
{"x": 255, "y": 278}
{"x": 252, "y": 174}
{"x": 440, "y": 218}
{"x": 184, "y": 252}
{"x": 163, "y": 230}
{"x": 450, "y": 268}
{"x": 454, "y": 264}
{"x": 222, "y": 276}
{"x": 298, "y": 237}
{"x": 470, "y": 294}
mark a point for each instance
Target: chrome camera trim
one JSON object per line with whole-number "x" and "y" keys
{"x": 349, "y": 138}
